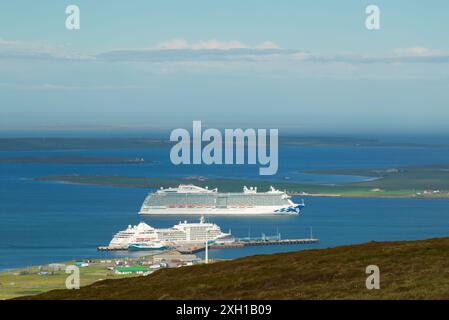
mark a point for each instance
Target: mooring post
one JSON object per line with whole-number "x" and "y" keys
{"x": 206, "y": 254}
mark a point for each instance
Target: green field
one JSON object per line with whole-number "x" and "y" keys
{"x": 408, "y": 270}
{"x": 419, "y": 181}
{"x": 26, "y": 281}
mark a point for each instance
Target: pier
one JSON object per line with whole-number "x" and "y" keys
{"x": 248, "y": 243}
{"x": 107, "y": 248}
{"x": 269, "y": 242}
{"x": 239, "y": 243}
{"x": 230, "y": 245}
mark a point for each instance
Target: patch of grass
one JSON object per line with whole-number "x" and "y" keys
{"x": 27, "y": 281}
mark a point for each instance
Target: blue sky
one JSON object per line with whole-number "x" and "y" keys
{"x": 309, "y": 66}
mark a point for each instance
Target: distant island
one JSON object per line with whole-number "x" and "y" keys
{"x": 408, "y": 270}
{"x": 74, "y": 160}
{"x": 42, "y": 144}
{"x": 47, "y": 144}
{"x": 431, "y": 181}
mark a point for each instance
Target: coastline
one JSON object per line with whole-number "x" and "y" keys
{"x": 349, "y": 190}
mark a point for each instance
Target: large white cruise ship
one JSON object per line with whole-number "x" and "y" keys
{"x": 191, "y": 199}
{"x": 182, "y": 233}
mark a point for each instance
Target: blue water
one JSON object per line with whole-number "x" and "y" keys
{"x": 42, "y": 222}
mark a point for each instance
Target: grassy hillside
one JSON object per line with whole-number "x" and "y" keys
{"x": 408, "y": 270}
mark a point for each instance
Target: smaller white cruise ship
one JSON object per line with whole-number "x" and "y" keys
{"x": 143, "y": 235}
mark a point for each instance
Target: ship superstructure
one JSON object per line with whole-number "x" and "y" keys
{"x": 191, "y": 199}
{"x": 181, "y": 233}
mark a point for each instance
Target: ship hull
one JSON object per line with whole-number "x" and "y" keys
{"x": 133, "y": 247}
{"x": 258, "y": 210}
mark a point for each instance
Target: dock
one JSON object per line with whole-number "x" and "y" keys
{"x": 107, "y": 248}
{"x": 248, "y": 243}
{"x": 304, "y": 194}
{"x": 190, "y": 249}
{"x": 240, "y": 243}
{"x": 274, "y": 242}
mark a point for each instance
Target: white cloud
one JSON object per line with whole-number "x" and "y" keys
{"x": 212, "y": 44}
{"x": 5, "y": 43}
{"x": 173, "y": 44}
{"x": 63, "y": 87}
{"x": 219, "y": 45}
{"x": 181, "y": 50}
{"x": 401, "y": 55}
{"x": 213, "y": 50}
{"x": 417, "y": 51}
{"x": 267, "y": 45}
{"x": 36, "y": 50}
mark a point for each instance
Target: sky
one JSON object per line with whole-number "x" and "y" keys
{"x": 307, "y": 66}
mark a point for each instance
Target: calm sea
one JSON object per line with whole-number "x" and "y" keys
{"x": 42, "y": 222}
